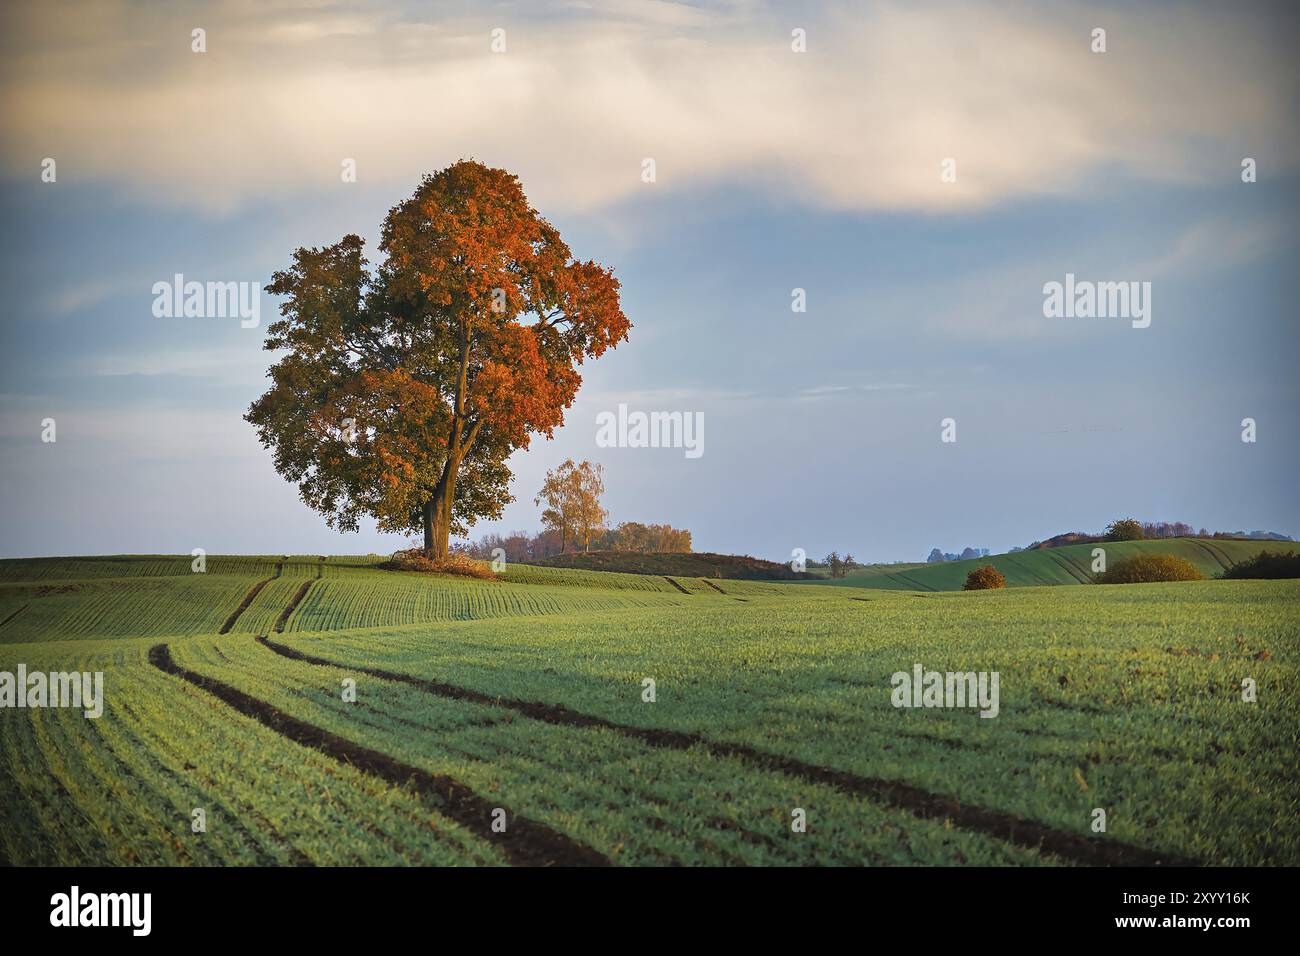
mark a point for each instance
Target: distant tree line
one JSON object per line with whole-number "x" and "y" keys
{"x": 1131, "y": 529}
{"x": 523, "y": 546}
{"x": 635, "y": 536}
{"x": 839, "y": 567}
{"x": 936, "y": 555}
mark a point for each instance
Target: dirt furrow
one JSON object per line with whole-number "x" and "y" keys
{"x": 1220, "y": 558}
{"x": 252, "y": 594}
{"x": 14, "y": 615}
{"x": 292, "y": 605}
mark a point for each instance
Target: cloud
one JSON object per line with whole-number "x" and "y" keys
{"x": 226, "y": 366}
{"x": 599, "y": 399}
{"x": 825, "y": 392}
{"x": 861, "y": 121}
{"x": 155, "y": 433}
{"x": 1220, "y": 244}
{"x": 70, "y": 298}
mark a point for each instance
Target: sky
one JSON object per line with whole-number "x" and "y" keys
{"x": 920, "y": 170}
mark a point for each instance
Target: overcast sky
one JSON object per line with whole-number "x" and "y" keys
{"x": 775, "y": 170}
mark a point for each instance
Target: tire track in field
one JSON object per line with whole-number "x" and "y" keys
{"x": 293, "y": 605}
{"x": 249, "y": 598}
{"x": 920, "y": 803}
{"x": 14, "y": 614}
{"x": 916, "y": 585}
{"x": 1030, "y": 571}
{"x": 525, "y": 842}
{"x": 1218, "y": 556}
{"x": 676, "y": 585}
{"x": 712, "y": 585}
{"x": 1070, "y": 567}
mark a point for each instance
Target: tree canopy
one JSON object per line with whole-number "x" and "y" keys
{"x": 407, "y": 386}
{"x": 1125, "y": 529}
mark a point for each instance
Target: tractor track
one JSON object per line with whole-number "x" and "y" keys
{"x": 525, "y": 842}
{"x": 251, "y": 596}
{"x": 916, "y": 585}
{"x": 1072, "y": 569}
{"x": 14, "y": 614}
{"x": 293, "y": 605}
{"x": 1219, "y": 557}
{"x": 920, "y": 803}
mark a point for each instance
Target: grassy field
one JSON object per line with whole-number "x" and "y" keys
{"x": 1071, "y": 564}
{"x": 225, "y": 691}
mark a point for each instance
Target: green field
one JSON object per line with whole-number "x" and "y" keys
{"x": 224, "y": 691}
{"x": 1071, "y": 564}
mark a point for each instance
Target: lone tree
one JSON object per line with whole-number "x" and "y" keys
{"x": 1125, "y": 529}
{"x": 839, "y": 566}
{"x": 406, "y": 387}
{"x": 572, "y": 495}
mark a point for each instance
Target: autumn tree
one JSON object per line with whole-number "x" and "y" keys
{"x": 984, "y": 578}
{"x": 572, "y": 494}
{"x": 406, "y": 386}
{"x": 635, "y": 536}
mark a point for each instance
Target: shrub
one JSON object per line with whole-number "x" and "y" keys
{"x": 1267, "y": 564}
{"x": 984, "y": 578}
{"x": 417, "y": 559}
{"x": 1126, "y": 529}
{"x": 1145, "y": 568}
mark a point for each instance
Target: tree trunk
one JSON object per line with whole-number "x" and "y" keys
{"x": 437, "y": 513}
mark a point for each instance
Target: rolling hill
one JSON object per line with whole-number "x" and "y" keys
{"x": 688, "y": 564}
{"x": 1071, "y": 564}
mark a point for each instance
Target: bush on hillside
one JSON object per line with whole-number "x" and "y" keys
{"x": 1267, "y": 564}
{"x": 1126, "y": 529}
{"x": 984, "y": 578}
{"x": 1146, "y": 568}
{"x": 417, "y": 559}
